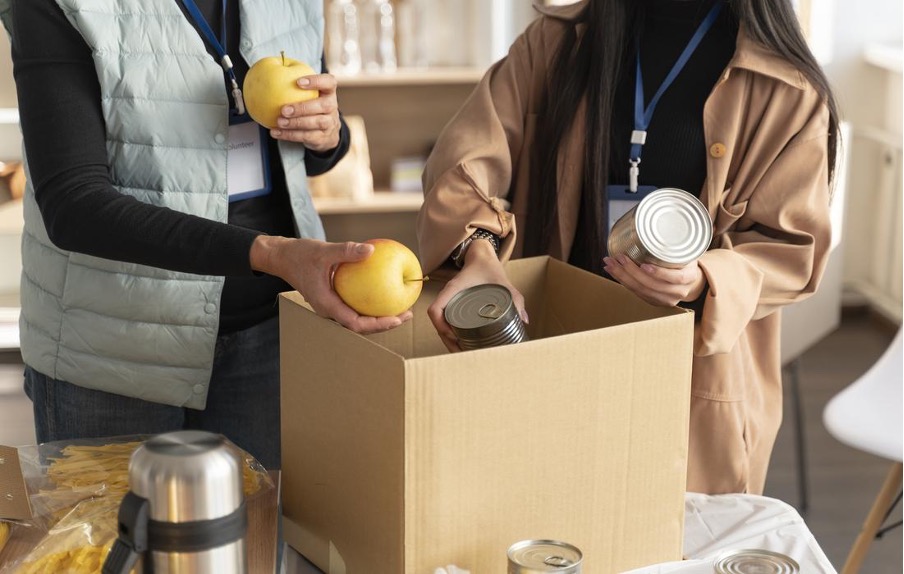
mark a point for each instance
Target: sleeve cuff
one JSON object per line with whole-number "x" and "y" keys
{"x": 317, "y": 163}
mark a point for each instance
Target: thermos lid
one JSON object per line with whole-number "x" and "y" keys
{"x": 187, "y": 476}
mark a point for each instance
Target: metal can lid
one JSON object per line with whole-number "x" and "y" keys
{"x": 754, "y": 561}
{"x": 536, "y": 556}
{"x": 673, "y": 226}
{"x": 480, "y": 311}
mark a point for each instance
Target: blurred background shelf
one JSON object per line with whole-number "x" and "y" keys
{"x": 412, "y": 77}
{"x": 380, "y": 202}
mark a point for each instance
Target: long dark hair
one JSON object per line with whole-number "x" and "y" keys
{"x": 592, "y": 65}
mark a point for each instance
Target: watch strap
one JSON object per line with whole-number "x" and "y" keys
{"x": 458, "y": 255}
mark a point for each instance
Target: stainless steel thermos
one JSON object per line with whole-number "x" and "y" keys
{"x": 185, "y": 512}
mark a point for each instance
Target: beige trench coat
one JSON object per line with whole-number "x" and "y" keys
{"x": 767, "y": 192}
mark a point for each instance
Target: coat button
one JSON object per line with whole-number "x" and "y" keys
{"x": 198, "y": 389}
{"x": 210, "y": 308}
{"x": 219, "y": 138}
{"x": 717, "y": 150}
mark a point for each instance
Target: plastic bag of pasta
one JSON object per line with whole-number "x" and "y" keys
{"x": 4, "y": 533}
{"x": 75, "y": 489}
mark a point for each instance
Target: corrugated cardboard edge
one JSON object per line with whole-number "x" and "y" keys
{"x": 373, "y": 401}
{"x": 14, "y": 503}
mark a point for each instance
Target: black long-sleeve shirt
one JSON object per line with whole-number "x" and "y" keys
{"x": 674, "y": 154}
{"x": 65, "y": 142}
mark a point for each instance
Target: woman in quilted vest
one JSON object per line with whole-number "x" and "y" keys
{"x": 161, "y": 223}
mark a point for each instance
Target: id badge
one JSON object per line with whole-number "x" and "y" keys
{"x": 619, "y": 201}
{"x": 247, "y": 164}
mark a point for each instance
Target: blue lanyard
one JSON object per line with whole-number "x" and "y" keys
{"x": 642, "y": 116}
{"x": 220, "y": 49}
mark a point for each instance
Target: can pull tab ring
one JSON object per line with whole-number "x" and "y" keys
{"x": 491, "y": 311}
{"x": 557, "y": 561}
{"x": 133, "y": 535}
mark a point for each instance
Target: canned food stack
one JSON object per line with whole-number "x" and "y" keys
{"x": 484, "y": 316}
{"x": 669, "y": 228}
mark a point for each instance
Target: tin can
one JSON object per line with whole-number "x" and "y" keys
{"x": 484, "y": 316}
{"x": 543, "y": 557}
{"x": 752, "y": 561}
{"x": 670, "y": 228}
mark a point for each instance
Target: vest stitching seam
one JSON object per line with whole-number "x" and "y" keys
{"x": 114, "y": 317}
{"x": 222, "y": 104}
{"x": 162, "y": 191}
{"x": 142, "y": 144}
{"x": 145, "y": 363}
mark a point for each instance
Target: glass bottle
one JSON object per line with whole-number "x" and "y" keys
{"x": 344, "y": 49}
{"x": 378, "y": 49}
{"x": 411, "y": 27}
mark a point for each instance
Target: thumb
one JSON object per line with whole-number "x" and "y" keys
{"x": 351, "y": 251}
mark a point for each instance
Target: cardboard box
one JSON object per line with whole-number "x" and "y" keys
{"x": 399, "y": 457}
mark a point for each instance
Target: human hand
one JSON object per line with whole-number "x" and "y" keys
{"x": 481, "y": 266}
{"x": 308, "y": 265}
{"x": 656, "y": 285}
{"x": 314, "y": 123}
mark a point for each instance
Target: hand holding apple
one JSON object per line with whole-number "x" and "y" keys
{"x": 385, "y": 284}
{"x": 308, "y": 265}
{"x": 297, "y": 104}
{"x": 272, "y": 83}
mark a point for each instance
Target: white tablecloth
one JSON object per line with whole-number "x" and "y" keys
{"x": 712, "y": 525}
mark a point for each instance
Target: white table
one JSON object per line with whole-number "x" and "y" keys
{"x": 712, "y": 524}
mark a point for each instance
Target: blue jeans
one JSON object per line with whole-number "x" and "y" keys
{"x": 242, "y": 402}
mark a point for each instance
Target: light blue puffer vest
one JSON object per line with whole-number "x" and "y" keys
{"x": 130, "y": 329}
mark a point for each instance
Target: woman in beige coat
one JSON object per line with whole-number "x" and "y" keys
{"x": 749, "y": 125}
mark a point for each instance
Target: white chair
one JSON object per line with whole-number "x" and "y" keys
{"x": 867, "y": 415}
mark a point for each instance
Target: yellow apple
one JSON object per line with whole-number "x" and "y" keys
{"x": 385, "y": 284}
{"x": 270, "y": 84}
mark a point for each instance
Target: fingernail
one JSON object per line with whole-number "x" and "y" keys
{"x": 275, "y": 133}
{"x": 607, "y": 260}
{"x": 524, "y": 317}
{"x": 283, "y": 122}
{"x": 304, "y": 82}
{"x": 361, "y": 248}
{"x": 287, "y": 110}
{"x": 647, "y": 267}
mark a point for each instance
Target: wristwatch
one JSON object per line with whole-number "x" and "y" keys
{"x": 458, "y": 255}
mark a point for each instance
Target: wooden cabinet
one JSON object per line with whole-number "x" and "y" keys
{"x": 404, "y": 112}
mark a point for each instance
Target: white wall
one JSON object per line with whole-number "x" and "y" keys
{"x": 10, "y": 137}
{"x": 870, "y": 100}
{"x": 7, "y": 88}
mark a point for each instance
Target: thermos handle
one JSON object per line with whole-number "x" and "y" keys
{"x": 133, "y": 536}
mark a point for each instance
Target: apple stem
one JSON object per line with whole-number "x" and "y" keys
{"x": 424, "y": 278}
{"x": 283, "y": 54}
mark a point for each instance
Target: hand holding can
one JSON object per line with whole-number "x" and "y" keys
{"x": 670, "y": 228}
